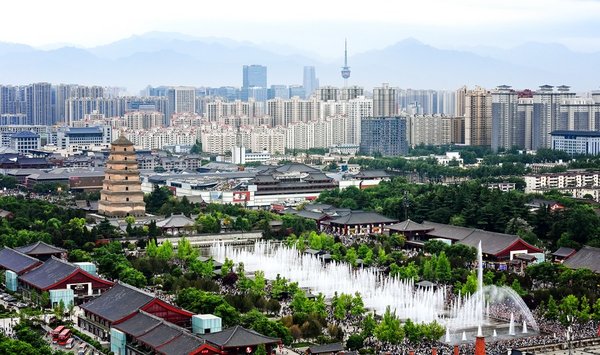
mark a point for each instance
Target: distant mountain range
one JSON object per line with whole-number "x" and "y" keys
{"x": 158, "y": 58}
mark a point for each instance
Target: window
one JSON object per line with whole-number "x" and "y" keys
{"x": 127, "y": 199}
{"x": 126, "y": 188}
{"x": 124, "y": 149}
{"x": 126, "y": 177}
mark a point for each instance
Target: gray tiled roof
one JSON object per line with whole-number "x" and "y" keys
{"x": 40, "y": 248}
{"x": 326, "y": 348}
{"x": 586, "y": 258}
{"x": 238, "y": 336}
{"x": 448, "y": 231}
{"x": 139, "y": 324}
{"x": 360, "y": 217}
{"x": 408, "y": 226}
{"x": 15, "y": 261}
{"x": 311, "y": 214}
{"x": 118, "y": 302}
{"x": 183, "y": 344}
{"x": 159, "y": 335}
{"x": 294, "y": 167}
{"x": 563, "y": 252}
{"x": 175, "y": 221}
{"x": 49, "y": 273}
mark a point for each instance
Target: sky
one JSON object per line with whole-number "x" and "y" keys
{"x": 315, "y": 26}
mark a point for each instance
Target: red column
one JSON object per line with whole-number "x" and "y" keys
{"x": 480, "y": 346}
{"x": 456, "y": 350}
{"x": 434, "y": 351}
{"x": 411, "y": 352}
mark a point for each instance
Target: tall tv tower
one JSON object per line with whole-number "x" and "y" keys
{"x": 345, "y": 68}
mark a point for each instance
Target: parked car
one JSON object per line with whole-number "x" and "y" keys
{"x": 21, "y": 305}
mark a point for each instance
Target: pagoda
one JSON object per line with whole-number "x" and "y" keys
{"x": 122, "y": 194}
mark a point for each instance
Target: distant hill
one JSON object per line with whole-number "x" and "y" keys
{"x": 158, "y": 58}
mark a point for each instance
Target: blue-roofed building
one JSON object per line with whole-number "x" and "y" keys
{"x": 576, "y": 142}
{"x": 84, "y": 138}
{"x": 25, "y": 141}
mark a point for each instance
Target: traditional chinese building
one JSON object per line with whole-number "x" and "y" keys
{"x": 122, "y": 194}
{"x": 120, "y": 303}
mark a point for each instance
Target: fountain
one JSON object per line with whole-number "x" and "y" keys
{"x": 464, "y": 336}
{"x": 495, "y": 334}
{"x": 479, "y": 331}
{"x": 524, "y": 327}
{"x": 379, "y": 290}
{"x": 511, "y": 325}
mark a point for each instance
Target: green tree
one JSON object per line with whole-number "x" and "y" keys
{"x": 368, "y": 325}
{"x": 355, "y": 342}
{"x": 261, "y": 350}
{"x": 551, "y": 309}
{"x": 443, "y": 271}
{"x": 389, "y": 329}
{"x": 165, "y": 250}
{"x": 470, "y": 286}
{"x": 568, "y": 308}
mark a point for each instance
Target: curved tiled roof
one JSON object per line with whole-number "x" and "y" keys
{"x": 586, "y": 258}
{"x": 122, "y": 141}
{"x": 238, "y": 336}
{"x": 40, "y": 248}
{"x": 15, "y": 261}
{"x": 360, "y": 217}
{"x": 118, "y": 302}
{"x": 52, "y": 271}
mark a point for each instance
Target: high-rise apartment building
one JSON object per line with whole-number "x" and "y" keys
{"x": 383, "y": 135}
{"x": 385, "y": 101}
{"x": 181, "y": 99}
{"x": 478, "y": 117}
{"x": 310, "y": 81}
{"x": 507, "y": 130}
{"x": 351, "y": 92}
{"x": 546, "y": 113}
{"x": 39, "y": 104}
{"x": 358, "y": 108}
{"x": 328, "y": 93}
{"x": 459, "y": 107}
{"x": 525, "y": 116}
{"x": 279, "y": 91}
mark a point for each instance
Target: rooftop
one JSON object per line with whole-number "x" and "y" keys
{"x": 15, "y": 261}
{"x": 576, "y": 133}
{"x": 361, "y": 217}
{"x": 118, "y": 302}
{"x": 40, "y": 248}
{"x": 586, "y": 258}
{"x": 52, "y": 271}
{"x": 238, "y": 336}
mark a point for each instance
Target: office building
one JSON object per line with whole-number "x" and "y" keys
{"x": 279, "y": 91}
{"x": 25, "y": 141}
{"x": 383, "y": 135}
{"x": 576, "y": 142}
{"x": 478, "y": 117}
{"x": 297, "y": 91}
{"x": 385, "y": 101}
{"x": 310, "y": 81}
{"x": 507, "y": 130}
{"x": 546, "y": 113}
{"x": 254, "y": 76}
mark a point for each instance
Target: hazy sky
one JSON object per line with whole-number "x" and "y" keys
{"x": 311, "y": 25}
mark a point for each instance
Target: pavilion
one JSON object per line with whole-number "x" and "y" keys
{"x": 359, "y": 223}
{"x": 175, "y": 223}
